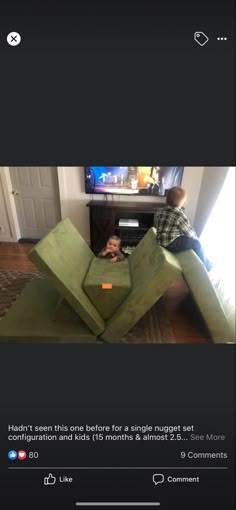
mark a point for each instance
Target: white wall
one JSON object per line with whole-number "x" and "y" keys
{"x": 192, "y": 180}
{"x": 74, "y": 198}
{"x": 212, "y": 182}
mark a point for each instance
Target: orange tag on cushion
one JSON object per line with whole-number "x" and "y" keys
{"x": 106, "y": 286}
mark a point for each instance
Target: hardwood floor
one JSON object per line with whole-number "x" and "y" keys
{"x": 13, "y": 256}
{"x": 186, "y": 322}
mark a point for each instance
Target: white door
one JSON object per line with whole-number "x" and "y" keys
{"x": 36, "y": 194}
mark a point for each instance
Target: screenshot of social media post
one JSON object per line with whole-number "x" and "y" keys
{"x": 117, "y": 255}
{"x": 126, "y": 258}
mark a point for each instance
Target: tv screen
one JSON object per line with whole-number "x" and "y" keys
{"x": 132, "y": 180}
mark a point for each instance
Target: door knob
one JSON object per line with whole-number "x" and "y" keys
{"x": 15, "y": 192}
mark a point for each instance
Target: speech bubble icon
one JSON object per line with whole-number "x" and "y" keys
{"x": 158, "y": 478}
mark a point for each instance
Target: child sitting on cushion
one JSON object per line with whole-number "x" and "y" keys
{"x": 112, "y": 250}
{"x": 174, "y": 231}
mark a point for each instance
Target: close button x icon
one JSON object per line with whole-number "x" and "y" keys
{"x": 13, "y": 38}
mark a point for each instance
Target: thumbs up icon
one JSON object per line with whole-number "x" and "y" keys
{"x": 50, "y": 479}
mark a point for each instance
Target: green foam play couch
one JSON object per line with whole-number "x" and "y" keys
{"x": 205, "y": 296}
{"x": 132, "y": 286}
{"x": 104, "y": 300}
{"x": 36, "y": 316}
{"x": 107, "y": 285}
{"x": 152, "y": 271}
{"x": 64, "y": 257}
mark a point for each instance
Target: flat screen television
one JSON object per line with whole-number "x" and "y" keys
{"x": 132, "y": 180}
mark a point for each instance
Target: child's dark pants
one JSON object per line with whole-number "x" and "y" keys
{"x": 183, "y": 243}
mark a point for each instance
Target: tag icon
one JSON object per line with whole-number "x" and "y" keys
{"x": 200, "y": 38}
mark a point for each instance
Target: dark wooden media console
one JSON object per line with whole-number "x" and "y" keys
{"x": 105, "y": 216}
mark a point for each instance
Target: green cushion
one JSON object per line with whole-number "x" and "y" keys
{"x": 204, "y": 294}
{"x": 152, "y": 270}
{"x": 64, "y": 257}
{"x": 35, "y": 317}
{"x": 117, "y": 274}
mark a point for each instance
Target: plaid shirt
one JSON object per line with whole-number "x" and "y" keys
{"x": 172, "y": 222}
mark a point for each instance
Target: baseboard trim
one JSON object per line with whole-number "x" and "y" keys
{"x": 28, "y": 240}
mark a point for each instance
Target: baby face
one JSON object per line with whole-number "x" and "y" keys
{"x": 113, "y": 245}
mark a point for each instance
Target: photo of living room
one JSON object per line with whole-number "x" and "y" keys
{"x": 61, "y": 227}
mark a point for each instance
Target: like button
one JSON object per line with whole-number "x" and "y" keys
{"x": 50, "y": 479}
